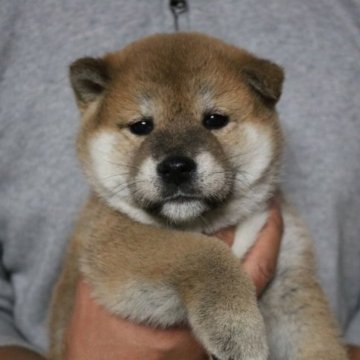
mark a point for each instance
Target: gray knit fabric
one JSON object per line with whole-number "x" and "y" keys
{"x": 41, "y": 188}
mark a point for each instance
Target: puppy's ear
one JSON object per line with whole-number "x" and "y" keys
{"x": 89, "y": 78}
{"x": 265, "y": 79}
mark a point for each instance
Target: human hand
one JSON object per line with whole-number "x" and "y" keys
{"x": 94, "y": 333}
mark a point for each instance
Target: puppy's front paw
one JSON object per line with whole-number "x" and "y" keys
{"x": 235, "y": 336}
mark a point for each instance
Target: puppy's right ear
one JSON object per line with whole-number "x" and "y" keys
{"x": 89, "y": 78}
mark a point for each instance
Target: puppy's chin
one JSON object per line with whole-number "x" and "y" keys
{"x": 180, "y": 212}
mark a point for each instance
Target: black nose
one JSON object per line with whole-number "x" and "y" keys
{"x": 176, "y": 169}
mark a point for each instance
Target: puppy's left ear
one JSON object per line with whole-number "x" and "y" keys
{"x": 265, "y": 78}
{"x": 89, "y": 78}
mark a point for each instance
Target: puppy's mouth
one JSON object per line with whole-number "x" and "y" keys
{"x": 181, "y": 198}
{"x": 178, "y": 210}
{"x": 182, "y": 208}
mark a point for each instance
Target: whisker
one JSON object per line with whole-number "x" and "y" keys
{"x": 115, "y": 175}
{"x": 243, "y": 153}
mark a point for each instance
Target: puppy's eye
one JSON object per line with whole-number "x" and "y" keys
{"x": 142, "y": 127}
{"x": 215, "y": 121}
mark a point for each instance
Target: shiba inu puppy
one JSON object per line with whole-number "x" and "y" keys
{"x": 180, "y": 138}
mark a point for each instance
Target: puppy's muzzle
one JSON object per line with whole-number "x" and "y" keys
{"x": 176, "y": 169}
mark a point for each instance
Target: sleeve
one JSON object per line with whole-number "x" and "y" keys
{"x": 9, "y": 335}
{"x": 352, "y": 333}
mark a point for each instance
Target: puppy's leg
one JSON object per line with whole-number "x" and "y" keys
{"x": 298, "y": 320}
{"x": 161, "y": 277}
{"x": 299, "y": 323}
{"x": 221, "y": 305}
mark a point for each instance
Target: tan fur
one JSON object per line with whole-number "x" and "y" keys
{"x": 159, "y": 268}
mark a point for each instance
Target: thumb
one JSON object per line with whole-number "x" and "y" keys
{"x": 261, "y": 260}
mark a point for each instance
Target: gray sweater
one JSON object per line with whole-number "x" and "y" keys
{"x": 41, "y": 188}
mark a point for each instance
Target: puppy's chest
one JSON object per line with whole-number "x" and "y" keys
{"x": 247, "y": 232}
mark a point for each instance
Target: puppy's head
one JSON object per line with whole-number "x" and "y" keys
{"x": 176, "y": 126}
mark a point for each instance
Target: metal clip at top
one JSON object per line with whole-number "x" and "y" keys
{"x": 177, "y": 8}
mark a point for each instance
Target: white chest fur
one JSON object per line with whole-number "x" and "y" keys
{"x": 247, "y": 232}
